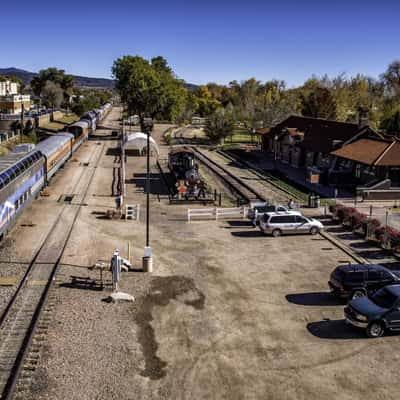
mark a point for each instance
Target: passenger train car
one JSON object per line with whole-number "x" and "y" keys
{"x": 80, "y": 131}
{"x": 24, "y": 174}
{"x": 56, "y": 150}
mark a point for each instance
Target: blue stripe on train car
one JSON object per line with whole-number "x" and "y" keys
{"x": 35, "y": 183}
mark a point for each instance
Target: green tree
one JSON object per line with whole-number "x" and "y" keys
{"x": 219, "y": 125}
{"x": 58, "y": 77}
{"x": 320, "y": 103}
{"x": 149, "y": 89}
{"x": 52, "y": 94}
{"x": 391, "y": 123}
{"x": 391, "y": 78}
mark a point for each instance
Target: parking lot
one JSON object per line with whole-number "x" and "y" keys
{"x": 227, "y": 313}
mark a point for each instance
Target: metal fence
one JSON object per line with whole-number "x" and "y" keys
{"x": 387, "y": 216}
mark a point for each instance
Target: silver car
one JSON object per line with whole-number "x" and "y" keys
{"x": 263, "y": 208}
{"x": 289, "y": 222}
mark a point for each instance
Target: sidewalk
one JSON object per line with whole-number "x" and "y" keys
{"x": 264, "y": 161}
{"x": 364, "y": 251}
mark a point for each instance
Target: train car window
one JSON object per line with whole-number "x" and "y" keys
{"x": 17, "y": 169}
{"x": 13, "y": 172}
{"x": 1, "y": 183}
{"x": 7, "y": 178}
{"x": 22, "y": 165}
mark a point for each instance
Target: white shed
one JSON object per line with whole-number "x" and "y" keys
{"x": 138, "y": 141}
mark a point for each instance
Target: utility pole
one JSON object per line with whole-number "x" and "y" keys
{"x": 22, "y": 119}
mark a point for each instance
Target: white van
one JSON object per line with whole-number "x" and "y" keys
{"x": 276, "y": 223}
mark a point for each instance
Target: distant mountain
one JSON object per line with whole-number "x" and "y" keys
{"x": 81, "y": 81}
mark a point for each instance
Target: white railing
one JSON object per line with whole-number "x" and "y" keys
{"x": 132, "y": 212}
{"x": 216, "y": 213}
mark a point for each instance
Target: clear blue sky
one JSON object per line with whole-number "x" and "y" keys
{"x": 205, "y": 40}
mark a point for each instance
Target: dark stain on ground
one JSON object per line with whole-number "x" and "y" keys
{"x": 162, "y": 291}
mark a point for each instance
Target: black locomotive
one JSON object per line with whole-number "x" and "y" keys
{"x": 181, "y": 162}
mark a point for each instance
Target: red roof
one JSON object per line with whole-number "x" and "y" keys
{"x": 262, "y": 131}
{"x": 374, "y": 152}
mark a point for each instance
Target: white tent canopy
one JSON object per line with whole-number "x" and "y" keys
{"x": 138, "y": 140}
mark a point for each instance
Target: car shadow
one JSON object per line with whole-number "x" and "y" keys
{"x": 240, "y": 223}
{"x": 335, "y": 329}
{"x": 314, "y": 299}
{"x": 248, "y": 234}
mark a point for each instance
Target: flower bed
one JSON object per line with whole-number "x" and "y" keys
{"x": 370, "y": 228}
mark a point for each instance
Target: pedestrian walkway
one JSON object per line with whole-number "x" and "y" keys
{"x": 366, "y": 251}
{"x": 264, "y": 161}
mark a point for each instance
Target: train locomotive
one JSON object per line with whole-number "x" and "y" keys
{"x": 24, "y": 175}
{"x": 189, "y": 184}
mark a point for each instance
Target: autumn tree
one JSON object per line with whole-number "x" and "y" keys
{"x": 219, "y": 125}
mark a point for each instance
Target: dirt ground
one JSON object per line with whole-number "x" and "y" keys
{"x": 227, "y": 313}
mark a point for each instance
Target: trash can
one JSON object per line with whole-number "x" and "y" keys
{"x": 317, "y": 202}
{"x": 311, "y": 201}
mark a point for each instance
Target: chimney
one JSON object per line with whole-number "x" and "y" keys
{"x": 362, "y": 117}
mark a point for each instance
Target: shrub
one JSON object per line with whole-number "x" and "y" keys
{"x": 358, "y": 220}
{"x": 340, "y": 213}
{"x": 391, "y": 235}
{"x": 333, "y": 208}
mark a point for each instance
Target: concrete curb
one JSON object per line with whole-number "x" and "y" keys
{"x": 343, "y": 247}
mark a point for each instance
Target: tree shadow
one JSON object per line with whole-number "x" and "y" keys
{"x": 157, "y": 185}
{"x": 314, "y": 299}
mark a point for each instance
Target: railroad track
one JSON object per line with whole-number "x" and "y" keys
{"x": 236, "y": 184}
{"x": 20, "y": 318}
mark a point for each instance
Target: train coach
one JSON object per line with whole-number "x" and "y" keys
{"x": 80, "y": 130}
{"x": 22, "y": 176}
{"x": 56, "y": 150}
{"x": 91, "y": 118}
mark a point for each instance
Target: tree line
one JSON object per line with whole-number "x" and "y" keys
{"x": 151, "y": 88}
{"x": 53, "y": 88}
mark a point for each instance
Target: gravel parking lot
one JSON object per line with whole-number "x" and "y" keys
{"x": 227, "y": 314}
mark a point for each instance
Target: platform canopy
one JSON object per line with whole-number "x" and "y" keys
{"x": 138, "y": 141}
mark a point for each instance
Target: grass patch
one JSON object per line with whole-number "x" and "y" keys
{"x": 67, "y": 119}
{"x": 52, "y": 126}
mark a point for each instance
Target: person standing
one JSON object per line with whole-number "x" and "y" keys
{"x": 255, "y": 218}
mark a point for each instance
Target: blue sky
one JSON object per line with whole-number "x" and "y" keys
{"x": 206, "y": 40}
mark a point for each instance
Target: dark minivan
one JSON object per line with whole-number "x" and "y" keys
{"x": 358, "y": 280}
{"x": 376, "y": 314}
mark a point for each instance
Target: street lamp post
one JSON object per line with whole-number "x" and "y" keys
{"x": 147, "y": 259}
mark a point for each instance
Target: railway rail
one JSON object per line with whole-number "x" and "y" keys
{"x": 20, "y": 318}
{"x": 236, "y": 184}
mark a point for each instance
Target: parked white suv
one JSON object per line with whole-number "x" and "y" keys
{"x": 276, "y": 223}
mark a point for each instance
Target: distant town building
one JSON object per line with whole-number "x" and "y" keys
{"x": 8, "y": 88}
{"x": 12, "y": 104}
{"x": 198, "y": 121}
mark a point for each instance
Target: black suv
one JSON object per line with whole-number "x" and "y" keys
{"x": 376, "y": 314}
{"x": 358, "y": 280}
